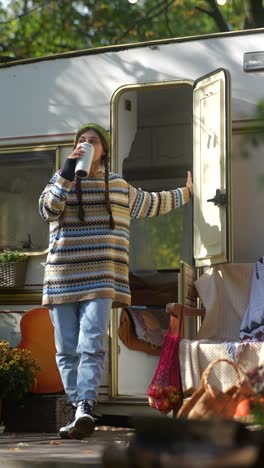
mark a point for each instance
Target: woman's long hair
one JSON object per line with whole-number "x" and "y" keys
{"x": 105, "y": 161}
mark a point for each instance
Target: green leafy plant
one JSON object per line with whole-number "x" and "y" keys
{"x": 7, "y": 256}
{"x": 258, "y": 411}
{"x": 254, "y": 406}
{"x": 18, "y": 371}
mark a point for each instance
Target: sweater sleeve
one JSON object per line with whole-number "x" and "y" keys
{"x": 68, "y": 169}
{"x": 147, "y": 204}
{"x": 53, "y": 198}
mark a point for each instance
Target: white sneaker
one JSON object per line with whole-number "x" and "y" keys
{"x": 65, "y": 430}
{"x": 84, "y": 423}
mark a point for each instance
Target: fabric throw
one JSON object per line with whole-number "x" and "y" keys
{"x": 224, "y": 291}
{"x": 196, "y": 355}
{"x": 150, "y": 324}
{"x": 129, "y": 338}
{"x": 252, "y": 326}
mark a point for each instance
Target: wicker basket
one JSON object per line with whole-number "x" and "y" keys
{"x": 37, "y": 413}
{"x": 12, "y": 274}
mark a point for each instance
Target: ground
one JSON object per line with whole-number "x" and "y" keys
{"x": 49, "y": 451}
{"x": 155, "y": 442}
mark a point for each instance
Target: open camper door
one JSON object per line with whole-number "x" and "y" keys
{"x": 152, "y": 149}
{"x": 211, "y": 143}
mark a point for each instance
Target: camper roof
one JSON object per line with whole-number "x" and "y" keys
{"x": 118, "y": 47}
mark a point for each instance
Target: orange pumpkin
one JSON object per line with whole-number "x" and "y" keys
{"x": 245, "y": 407}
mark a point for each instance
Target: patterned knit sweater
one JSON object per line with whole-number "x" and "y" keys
{"x": 88, "y": 261}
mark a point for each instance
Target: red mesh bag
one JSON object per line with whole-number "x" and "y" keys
{"x": 165, "y": 390}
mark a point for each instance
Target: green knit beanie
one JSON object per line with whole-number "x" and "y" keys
{"x": 102, "y": 132}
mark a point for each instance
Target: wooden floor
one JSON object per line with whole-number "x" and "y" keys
{"x": 156, "y": 442}
{"x": 49, "y": 451}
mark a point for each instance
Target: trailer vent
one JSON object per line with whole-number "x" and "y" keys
{"x": 253, "y": 61}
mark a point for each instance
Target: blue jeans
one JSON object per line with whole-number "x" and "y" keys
{"x": 79, "y": 330}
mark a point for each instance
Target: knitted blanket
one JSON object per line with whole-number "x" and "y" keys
{"x": 224, "y": 291}
{"x": 196, "y": 355}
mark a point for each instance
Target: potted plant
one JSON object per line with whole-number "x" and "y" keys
{"x": 12, "y": 268}
{"x": 18, "y": 371}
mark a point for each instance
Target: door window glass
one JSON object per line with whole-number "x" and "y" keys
{"x": 23, "y": 176}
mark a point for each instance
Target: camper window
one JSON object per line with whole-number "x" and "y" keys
{"x": 23, "y": 174}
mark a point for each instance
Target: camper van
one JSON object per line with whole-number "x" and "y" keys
{"x": 171, "y": 106}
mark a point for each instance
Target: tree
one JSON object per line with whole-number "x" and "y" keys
{"x": 31, "y": 28}
{"x": 252, "y": 9}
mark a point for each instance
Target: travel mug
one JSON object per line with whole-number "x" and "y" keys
{"x": 83, "y": 165}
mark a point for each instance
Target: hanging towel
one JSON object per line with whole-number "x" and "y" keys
{"x": 252, "y": 326}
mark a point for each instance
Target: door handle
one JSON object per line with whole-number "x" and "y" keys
{"x": 219, "y": 198}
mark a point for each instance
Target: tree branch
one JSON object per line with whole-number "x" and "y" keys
{"x": 26, "y": 12}
{"x": 216, "y": 15}
{"x": 156, "y": 10}
{"x": 167, "y": 19}
{"x": 254, "y": 13}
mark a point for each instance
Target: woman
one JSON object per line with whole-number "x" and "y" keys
{"x": 86, "y": 272}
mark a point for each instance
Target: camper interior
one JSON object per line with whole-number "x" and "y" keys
{"x": 153, "y": 144}
{"x": 154, "y": 153}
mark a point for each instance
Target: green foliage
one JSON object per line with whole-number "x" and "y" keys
{"x": 7, "y": 256}
{"x": 166, "y": 236}
{"x": 260, "y": 109}
{"x": 32, "y": 28}
{"x": 255, "y": 379}
{"x": 18, "y": 370}
{"x": 258, "y": 412}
